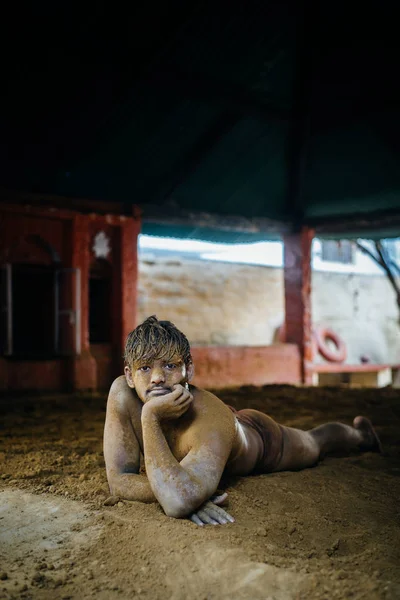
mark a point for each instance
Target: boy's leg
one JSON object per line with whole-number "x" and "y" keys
{"x": 304, "y": 448}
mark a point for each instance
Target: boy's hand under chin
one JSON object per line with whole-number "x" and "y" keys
{"x": 166, "y": 405}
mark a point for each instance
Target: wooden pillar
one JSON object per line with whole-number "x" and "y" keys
{"x": 83, "y": 372}
{"x": 130, "y": 229}
{"x": 297, "y": 277}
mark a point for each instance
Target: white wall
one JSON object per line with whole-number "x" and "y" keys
{"x": 362, "y": 310}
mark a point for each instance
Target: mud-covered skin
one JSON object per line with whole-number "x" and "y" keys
{"x": 189, "y": 438}
{"x": 184, "y": 456}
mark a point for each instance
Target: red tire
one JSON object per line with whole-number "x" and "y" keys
{"x": 322, "y": 335}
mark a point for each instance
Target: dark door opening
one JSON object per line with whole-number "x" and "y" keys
{"x": 33, "y": 311}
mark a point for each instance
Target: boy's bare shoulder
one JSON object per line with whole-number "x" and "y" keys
{"x": 205, "y": 396}
{"x": 209, "y": 424}
{"x": 209, "y": 406}
{"x": 120, "y": 397}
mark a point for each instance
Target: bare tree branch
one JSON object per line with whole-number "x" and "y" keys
{"x": 395, "y": 267}
{"x": 369, "y": 252}
{"x": 386, "y": 266}
{"x": 383, "y": 259}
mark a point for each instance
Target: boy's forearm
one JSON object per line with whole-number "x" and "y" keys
{"x": 132, "y": 487}
{"x": 177, "y": 492}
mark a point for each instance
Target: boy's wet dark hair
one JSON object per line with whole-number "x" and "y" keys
{"x": 155, "y": 339}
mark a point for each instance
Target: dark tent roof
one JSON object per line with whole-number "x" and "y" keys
{"x": 252, "y": 116}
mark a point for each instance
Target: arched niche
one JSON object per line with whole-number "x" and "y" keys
{"x": 31, "y": 249}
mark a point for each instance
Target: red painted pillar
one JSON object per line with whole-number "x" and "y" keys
{"x": 297, "y": 276}
{"x": 130, "y": 230}
{"x": 84, "y": 371}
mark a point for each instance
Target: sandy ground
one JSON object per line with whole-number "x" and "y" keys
{"x": 327, "y": 532}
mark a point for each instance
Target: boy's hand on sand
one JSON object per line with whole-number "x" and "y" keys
{"x": 171, "y": 405}
{"x": 212, "y": 514}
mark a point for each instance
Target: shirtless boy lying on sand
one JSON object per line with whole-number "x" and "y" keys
{"x": 189, "y": 437}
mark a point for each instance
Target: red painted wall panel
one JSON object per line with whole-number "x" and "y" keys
{"x": 40, "y": 235}
{"x": 38, "y": 375}
{"x": 228, "y": 366}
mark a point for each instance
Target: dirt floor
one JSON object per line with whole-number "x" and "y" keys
{"x": 327, "y": 532}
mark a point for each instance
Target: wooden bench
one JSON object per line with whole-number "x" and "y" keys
{"x": 361, "y": 375}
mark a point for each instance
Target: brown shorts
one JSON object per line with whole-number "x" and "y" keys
{"x": 271, "y": 434}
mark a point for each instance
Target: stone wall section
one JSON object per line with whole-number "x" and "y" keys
{"x": 229, "y": 304}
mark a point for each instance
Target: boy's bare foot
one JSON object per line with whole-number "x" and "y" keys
{"x": 371, "y": 440}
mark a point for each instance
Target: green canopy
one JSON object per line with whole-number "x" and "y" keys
{"x": 220, "y": 120}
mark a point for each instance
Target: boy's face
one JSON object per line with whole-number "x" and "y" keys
{"x": 157, "y": 377}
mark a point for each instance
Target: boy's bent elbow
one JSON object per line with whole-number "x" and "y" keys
{"x": 176, "y": 511}
{"x": 115, "y": 487}
{"x": 129, "y": 487}
{"x": 179, "y": 509}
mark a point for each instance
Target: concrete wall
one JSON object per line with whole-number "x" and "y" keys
{"x": 213, "y": 303}
{"x": 363, "y": 311}
{"x": 228, "y": 304}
